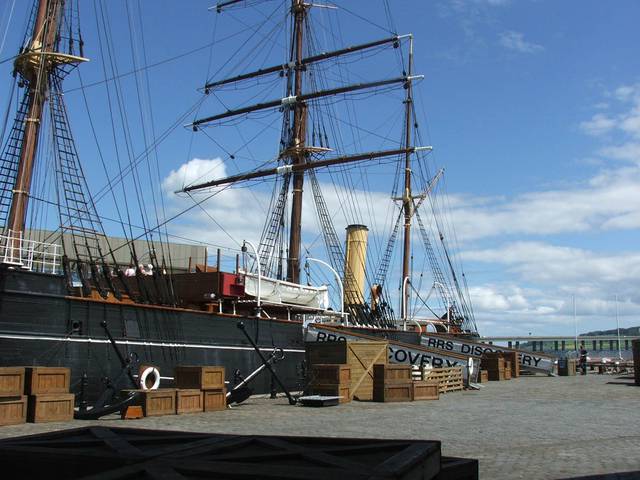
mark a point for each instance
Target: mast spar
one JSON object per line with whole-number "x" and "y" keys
{"x": 35, "y": 65}
{"x": 298, "y": 140}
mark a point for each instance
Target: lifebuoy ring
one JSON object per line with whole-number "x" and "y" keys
{"x": 155, "y": 373}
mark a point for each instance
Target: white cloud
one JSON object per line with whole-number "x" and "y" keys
{"x": 515, "y": 41}
{"x": 598, "y": 124}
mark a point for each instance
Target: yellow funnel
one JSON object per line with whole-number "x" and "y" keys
{"x": 354, "y": 271}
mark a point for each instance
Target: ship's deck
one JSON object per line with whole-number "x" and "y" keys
{"x": 530, "y": 427}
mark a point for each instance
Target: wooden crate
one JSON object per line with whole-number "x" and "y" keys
{"x": 507, "y": 370}
{"x": 566, "y": 367}
{"x": 636, "y": 360}
{"x": 495, "y": 375}
{"x": 215, "y": 399}
{"x": 156, "y": 402}
{"x": 394, "y": 392}
{"x": 13, "y": 410}
{"x": 449, "y": 379}
{"x": 189, "y": 401}
{"x": 492, "y": 361}
{"x": 515, "y": 363}
{"x": 50, "y": 407}
{"x": 46, "y": 380}
{"x": 424, "y": 390}
{"x": 359, "y": 355}
{"x": 385, "y": 374}
{"x": 332, "y": 390}
{"x": 328, "y": 374}
{"x": 200, "y": 377}
{"x": 11, "y": 381}
{"x": 483, "y": 377}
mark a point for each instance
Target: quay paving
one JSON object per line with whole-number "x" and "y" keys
{"x": 531, "y": 427}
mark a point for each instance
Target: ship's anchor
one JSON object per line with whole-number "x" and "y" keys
{"x": 275, "y": 356}
{"x": 125, "y": 378}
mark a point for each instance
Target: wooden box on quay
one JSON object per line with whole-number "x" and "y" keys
{"x": 393, "y": 392}
{"x": 425, "y": 390}
{"x": 50, "y": 407}
{"x": 636, "y": 360}
{"x": 13, "y": 410}
{"x": 492, "y": 361}
{"x": 391, "y": 373}
{"x": 332, "y": 390}
{"x": 11, "y": 382}
{"x": 201, "y": 378}
{"x": 495, "y": 375}
{"x": 330, "y": 374}
{"x": 215, "y": 399}
{"x": 46, "y": 380}
{"x": 483, "y": 376}
{"x": 189, "y": 401}
{"x": 512, "y": 357}
{"x": 507, "y": 370}
{"x": 156, "y": 402}
{"x": 567, "y": 367}
{"x": 361, "y": 356}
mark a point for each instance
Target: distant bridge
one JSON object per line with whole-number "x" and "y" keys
{"x": 562, "y": 343}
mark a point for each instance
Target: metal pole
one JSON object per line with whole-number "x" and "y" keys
{"x": 404, "y": 303}
{"x": 575, "y": 322}
{"x": 618, "y": 329}
{"x": 342, "y": 315}
{"x": 255, "y": 251}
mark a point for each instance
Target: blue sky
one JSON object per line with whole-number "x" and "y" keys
{"x": 532, "y": 107}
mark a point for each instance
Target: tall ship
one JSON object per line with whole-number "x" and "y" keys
{"x": 71, "y": 288}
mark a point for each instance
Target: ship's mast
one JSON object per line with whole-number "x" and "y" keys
{"x": 407, "y": 198}
{"x": 33, "y": 65}
{"x": 298, "y": 155}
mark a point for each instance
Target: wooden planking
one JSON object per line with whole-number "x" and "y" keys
{"x": 483, "y": 377}
{"x": 13, "y": 410}
{"x": 189, "y": 401}
{"x": 50, "y": 407}
{"x": 199, "y": 377}
{"x": 11, "y": 381}
{"x": 361, "y": 356}
{"x": 449, "y": 379}
{"x": 119, "y": 453}
{"x": 46, "y": 380}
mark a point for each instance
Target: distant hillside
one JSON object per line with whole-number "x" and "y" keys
{"x": 623, "y": 331}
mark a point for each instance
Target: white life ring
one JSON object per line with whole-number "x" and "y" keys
{"x": 470, "y": 365}
{"x": 145, "y": 375}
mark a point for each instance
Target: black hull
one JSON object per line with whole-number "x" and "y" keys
{"x": 41, "y": 325}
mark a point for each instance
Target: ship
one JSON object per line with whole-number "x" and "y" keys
{"x": 67, "y": 297}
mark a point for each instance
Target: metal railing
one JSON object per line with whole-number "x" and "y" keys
{"x": 29, "y": 254}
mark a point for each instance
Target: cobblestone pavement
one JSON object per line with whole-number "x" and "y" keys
{"x": 530, "y": 427}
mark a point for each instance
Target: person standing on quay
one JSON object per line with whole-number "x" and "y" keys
{"x": 583, "y": 359}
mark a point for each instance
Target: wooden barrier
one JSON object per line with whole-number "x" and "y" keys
{"x": 449, "y": 379}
